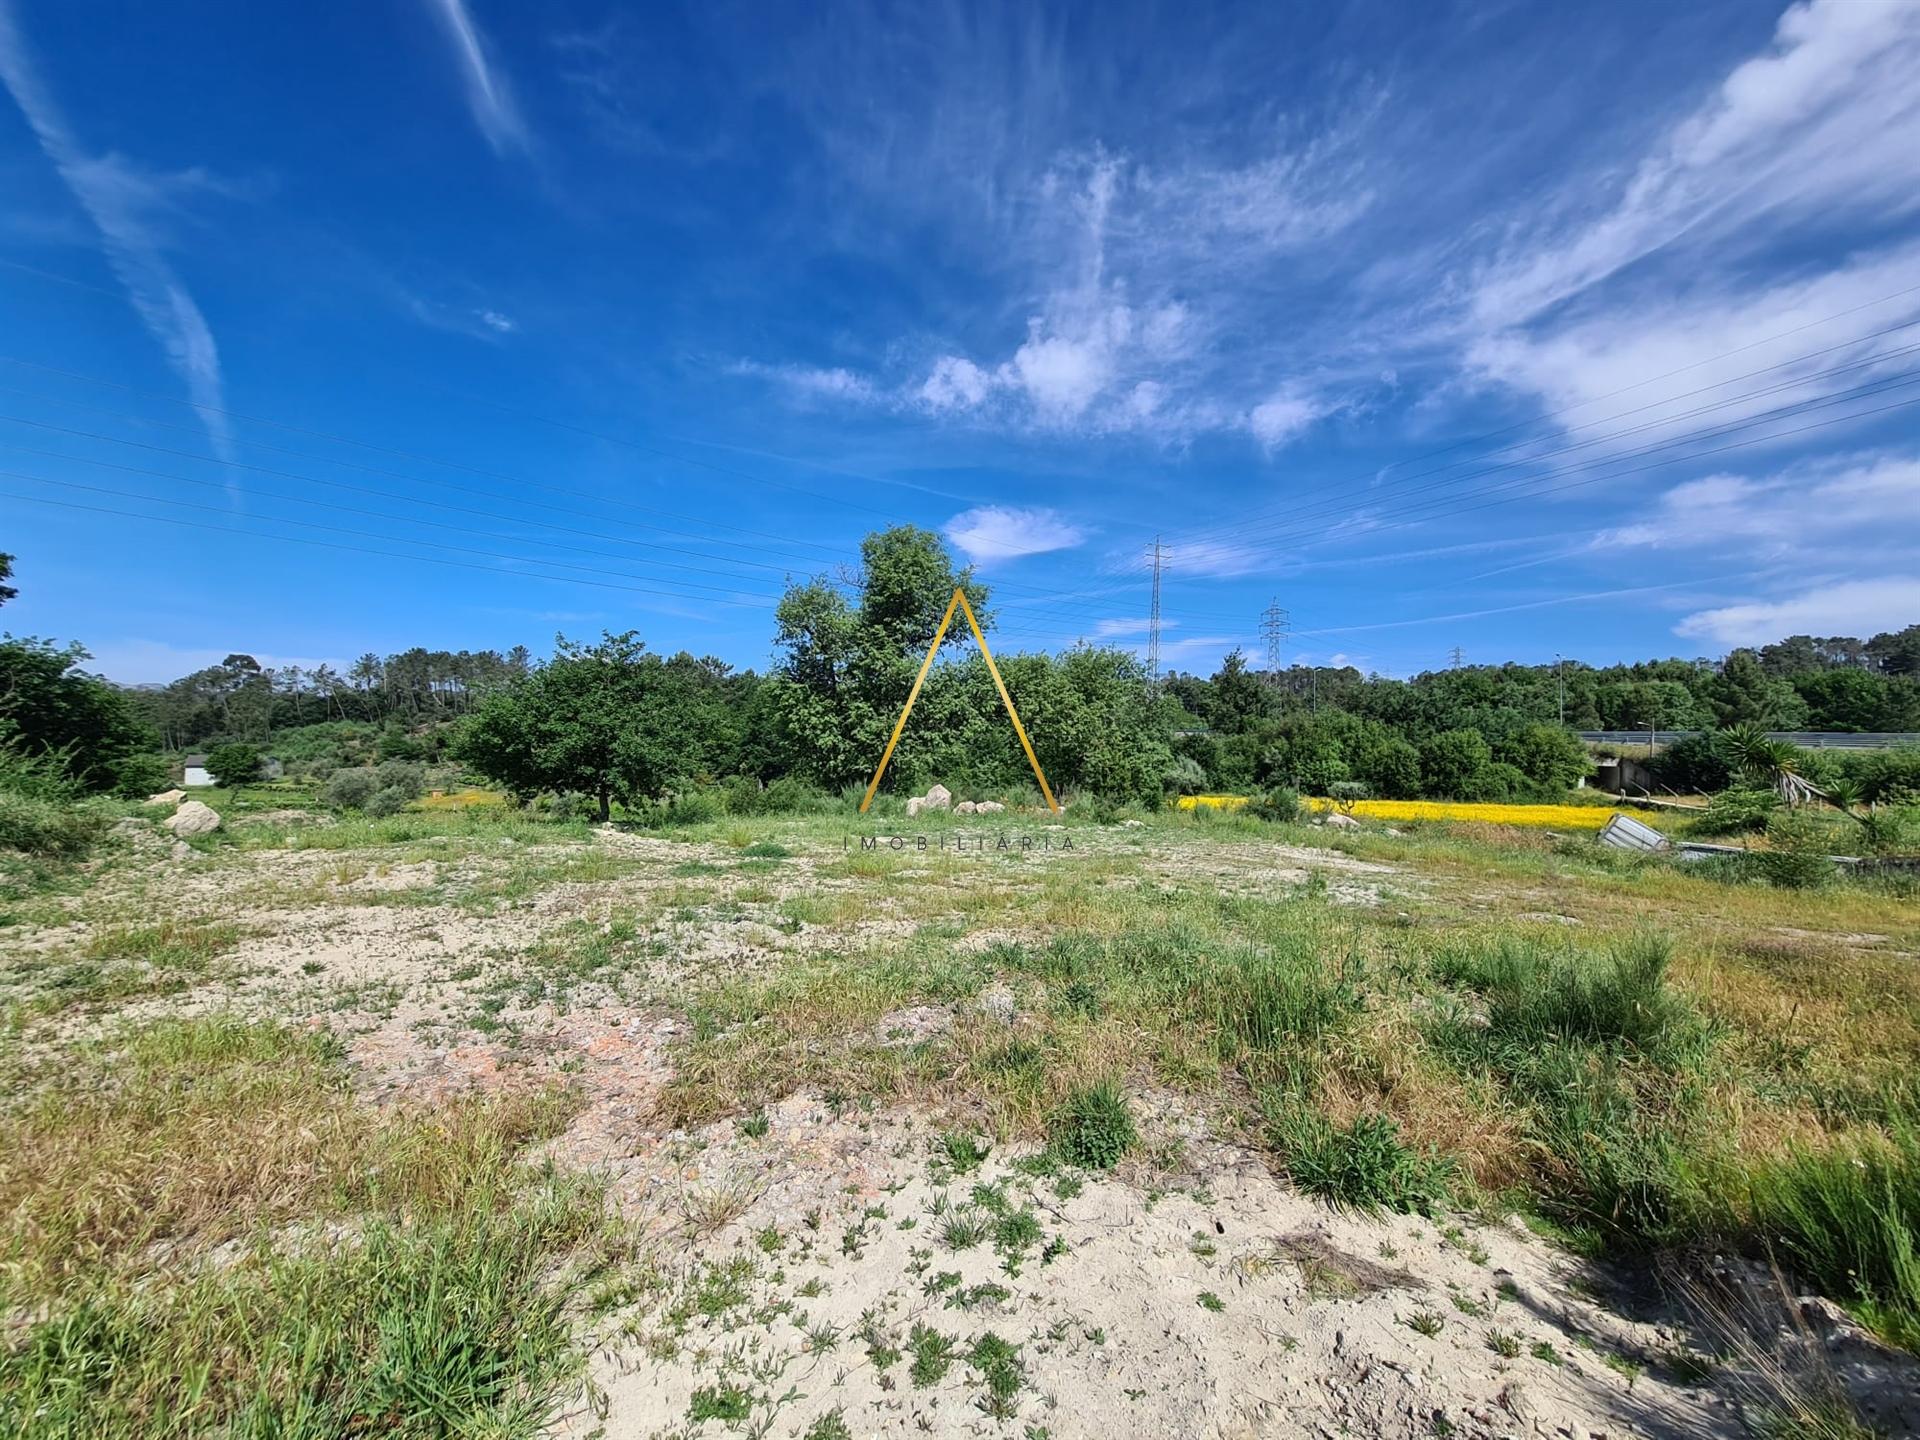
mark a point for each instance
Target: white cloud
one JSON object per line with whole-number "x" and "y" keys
{"x": 488, "y": 94}
{"x": 1285, "y": 414}
{"x": 1804, "y": 508}
{"x": 1218, "y": 560}
{"x": 121, "y": 201}
{"x": 813, "y": 383}
{"x": 1820, "y": 127}
{"x": 494, "y": 320}
{"x": 997, "y": 532}
{"x": 1849, "y": 607}
{"x": 955, "y": 383}
{"x": 1107, "y": 629}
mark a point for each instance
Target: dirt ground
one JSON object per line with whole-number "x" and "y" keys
{"x": 796, "y": 1257}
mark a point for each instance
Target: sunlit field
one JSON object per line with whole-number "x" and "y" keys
{"x": 464, "y": 1121}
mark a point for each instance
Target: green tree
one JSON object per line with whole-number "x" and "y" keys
{"x": 1551, "y": 758}
{"x": 50, "y": 706}
{"x": 7, "y": 592}
{"x": 608, "y": 721}
{"x": 1744, "y": 694}
{"x": 1457, "y": 765}
{"x": 235, "y": 764}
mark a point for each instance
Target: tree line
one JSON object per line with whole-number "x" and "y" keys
{"x": 613, "y": 721}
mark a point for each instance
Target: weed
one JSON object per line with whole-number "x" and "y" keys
{"x": 961, "y": 1151}
{"x": 830, "y": 1426}
{"x": 1424, "y": 1322}
{"x": 964, "y": 1229}
{"x": 932, "y": 1355}
{"x": 1094, "y": 1129}
{"x": 1210, "y": 1301}
{"x": 998, "y": 1362}
{"x": 729, "y": 1404}
{"x": 1364, "y": 1164}
{"x": 755, "y": 1126}
{"x": 1544, "y": 1350}
{"x": 1504, "y": 1343}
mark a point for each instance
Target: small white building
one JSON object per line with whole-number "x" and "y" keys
{"x": 195, "y": 772}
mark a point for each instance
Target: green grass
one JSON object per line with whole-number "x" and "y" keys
{"x": 399, "y": 1273}
{"x": 1364, "y": 1165}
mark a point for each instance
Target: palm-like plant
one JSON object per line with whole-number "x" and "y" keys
{"x": 1761, "y": 760}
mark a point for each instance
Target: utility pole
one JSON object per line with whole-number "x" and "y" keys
{"x": 1153, "y": 617}
{"x": 1560, "y": 680}
{"x": 1456, "y": 655}
{"x": 1274, "y": 623}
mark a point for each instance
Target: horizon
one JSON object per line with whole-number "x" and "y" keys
{"x": 1526, "y": 335}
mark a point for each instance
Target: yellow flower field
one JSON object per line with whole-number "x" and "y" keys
{"x": 1560, "y": 817}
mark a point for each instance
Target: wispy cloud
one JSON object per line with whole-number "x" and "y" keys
{"x": 1848, "y": 607}
{"x": 811, "y": 383}
{"x": 1803, "y": 508}
{"x": 121, "y": 201}
{"x": 489, "y": 95}
{"x": 999, "y": 532}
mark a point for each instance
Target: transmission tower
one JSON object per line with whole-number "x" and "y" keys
{"x": 1274, "y": 624}
{"x": 1153, "y": 615}
{"x": 1457, "y": 656}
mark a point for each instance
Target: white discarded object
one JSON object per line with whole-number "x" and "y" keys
{"x": 1623, "y": 832}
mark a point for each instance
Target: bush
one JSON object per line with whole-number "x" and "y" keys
{"x": 351, "y": 789}
{"x": 40, "y": 826}
{"x": 1696, "y": 764}
{"x": 1366, "y": 1165}
{"x": 234, "y": 765}
{"x": 1276, "y": 804}
{"x": 1346, "y": 794}
{"x": 1738, "y": 812}
{"x": 137, "y": 776}
{"x": 1183, "y": 776}
{"x": 1454, "y": 765}
{"x": 1797, "y": 858}
{"x": 389, "y": 801}
{"x": 409, "y": 779}
{"x": 1094, "y": 1128}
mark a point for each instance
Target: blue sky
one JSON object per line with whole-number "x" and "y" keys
{"x": 1590, "y": 330}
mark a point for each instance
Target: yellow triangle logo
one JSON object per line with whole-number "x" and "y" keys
{"x": 959, "y": 602}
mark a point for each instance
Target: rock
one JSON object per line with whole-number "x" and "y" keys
{"x": 181, "y": 851}
{"x": 192, "y": 818}
{"x": 914, "y": 806}
{"x": 965, "y": 807}
{"x": 938, "y": 798}
{"x": 1392, "y": 831}
{"x": 1342, "y": 822}
{"x": 167, "y": 797}
{"x": 1132, "y": 824}
{"x": 988, "y": 807}
{"x": 997, "y": 1004}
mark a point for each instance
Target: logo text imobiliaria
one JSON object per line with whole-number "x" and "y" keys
{"x": 1003, "y": 843}
{"x": 959, "y": 842}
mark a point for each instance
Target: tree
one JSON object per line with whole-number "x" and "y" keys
{"x": 1551, "y": 758}
{"x": 1456, "y": 765}
{"x": 235, "y": 764}
{"x": 7, "y": 592}
{"x": 608, "y": 721}
{"x": 1744, "y": 694}
{"x": 50, "y": 706}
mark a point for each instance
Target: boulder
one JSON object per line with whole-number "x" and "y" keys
{"x": 938, "y": 798}
{"x": 192, "y": 818}
{"x": 988, "y": 807}
{"x": 965, "y": 807}
{"x": 167, "y": 797}
{"x": 914, "y": 806}
{"x": 1342, "y": 822}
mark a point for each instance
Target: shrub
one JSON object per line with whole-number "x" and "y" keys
{"x": 1738, "y": 812}
{"x": 1346, "y": 794}
{"x": 1797, "y": 857}
{"x": 235, "y": 764}
{"x": 409, "y": 779}
{"x": 1183, "y": 776}
{"x": 390, "y": 801}
{"x": 1694, "y": 763}
{"x": 1094, "y": 1128}
{"x": 1454, "y": 765}
{"x": 137, "y": 776}
{"x": 1278, "y": 804}
{"x": 351, "y": 789}
{"x": 40, "y": 826}
{"x": 1365, "y": 1165}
